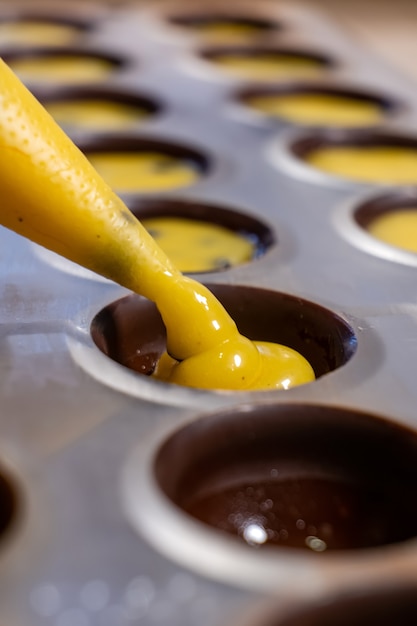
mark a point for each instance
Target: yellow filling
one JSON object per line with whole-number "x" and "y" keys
{"x": 195, "y": 246}
{"x": 53, "y": 195}
{"x": 143, "y": 171}
{"x": 226, "y": 31}
{"x": 319, "y": 109}
{"x": 61, "y": 69}
{"x": 96, "y": 114}
{"x": 34, "y": 32}
{"x": 268, "y": 66}
{"x": 373, "y": 164}
{"x": 397, "y": 228}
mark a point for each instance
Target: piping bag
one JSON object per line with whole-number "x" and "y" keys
{"x": 51, "y": 194}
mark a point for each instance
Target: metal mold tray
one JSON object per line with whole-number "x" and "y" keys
{"x": 72, "y": 421}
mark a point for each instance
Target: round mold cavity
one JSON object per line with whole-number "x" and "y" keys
{"x": 291, "y": 498}
{"x": 140, "y": 107}
{"x": 292, "y": 151}
{"x": 224, "y": 26}
{"x": 375, "y": 607}
{"x": 252, "y": 229}
{"x": 130, "y": 331}
{"x": 194, "y": 164}
{"x": 53, "y": 65}
{"x": 30, "y": 27}
{"x": 354, "y": 219}
{"x": 387, "y": 106}
{"x": 10, "y": 506}
{"x": 296, "y": 62}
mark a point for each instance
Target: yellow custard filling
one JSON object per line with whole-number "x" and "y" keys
{"x": 373, "y": 164}
{"x": 226, "y": 31}
{"x": 37, "y": 32}
{"x": 61, "y": 69}
{"x": 268, "y": 66}
{"x": 397, "y": 228}
{"x": 197, "y": 246}
{"x": 66, "y": 206}
{"x": 318, "y": 109}
{"x": 144, "y": 171}
{"x": 96, "y": 114}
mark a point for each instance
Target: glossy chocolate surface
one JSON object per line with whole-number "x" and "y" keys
{"x": 295, "y": 476}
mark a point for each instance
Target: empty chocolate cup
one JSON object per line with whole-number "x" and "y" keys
{"x": 52, "y": 65}
{"x": 301, "y": 477}
{"x": 314, "y": 105}
{"x": 98, "y": 108}
{"x": 143, "y": 165}
{"x": 130, "y": 331}
{"x": 293, "y": 498}
{"x": 382, "y": 607}
{"x": 266, "y": 63}
{"x": 215, "y": 256}
{"x": 344, "y": 158}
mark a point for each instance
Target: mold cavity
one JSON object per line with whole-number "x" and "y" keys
{"x": 223, "y": 28}
{"x": 391, "y": 219}
{"x": 306, "y": 105}
{"x": 33, "y": 29}
{"x": 384, "y": 607}
{"x": 267, "y": 63}
{"x": 370, "y": 157}
{"x": 305, "y": 477}
{"x": 130, "y": 331}
{"x": 61, "y": 65}
{"x": 9, "y": 505}
{"x": 98, "y": 108}
{"x": 199, "y": 237}
{"x": 143, "y": 165}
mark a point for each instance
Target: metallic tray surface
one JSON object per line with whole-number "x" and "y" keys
{"x": 78, "y": 430}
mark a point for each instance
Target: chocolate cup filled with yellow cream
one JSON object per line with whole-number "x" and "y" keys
{"x": 224, "y": 28}
{"x": 316, "y": 105}
{"x": 33, "y": 28}
{"x": 267, "y": 63}
{"x": 98, "y": 108}
{"x": 61, "y": 65}
{"x": 391, "y": 219}
{"x": 201, "y": 237}
{"x": 133, "y": 165}
{"x": 130, "y": 331}
{"x": 377, "y": 157}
